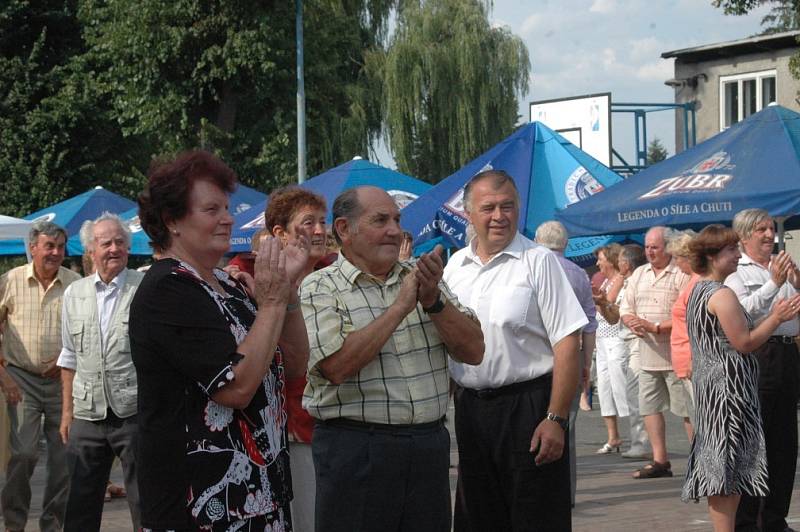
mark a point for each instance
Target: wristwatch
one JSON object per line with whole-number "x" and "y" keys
{"x": 436, "y": 307}
{"x": 658, "y": 327}
{"x": 563, "y": 423}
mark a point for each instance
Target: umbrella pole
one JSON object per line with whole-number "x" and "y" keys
{"x": 781, "y": 243}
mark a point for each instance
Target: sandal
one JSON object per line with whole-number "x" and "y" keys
{"x": 654, "y": 470}
{"x": 609, "y": 448}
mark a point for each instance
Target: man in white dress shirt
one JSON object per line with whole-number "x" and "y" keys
{"x": 98, "y": 418}
{"x": 512, "y": 409}
{"x": 760, "y": 281}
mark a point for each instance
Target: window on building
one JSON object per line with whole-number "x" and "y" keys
{"x": 744, "y": 94}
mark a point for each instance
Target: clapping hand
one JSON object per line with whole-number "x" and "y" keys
{"x": 786, "y": 309}
{"x": 599, "y": 297}
{"x": 429, "y": 270}
{"x": 779, "y": 267}
{"x": 272, "y": 284}
{"x": 296, "y": 252}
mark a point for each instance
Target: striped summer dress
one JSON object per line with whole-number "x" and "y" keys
{"x": 728, "y": 454}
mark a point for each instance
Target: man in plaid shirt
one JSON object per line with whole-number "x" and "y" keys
{"x": 380, "y": 333}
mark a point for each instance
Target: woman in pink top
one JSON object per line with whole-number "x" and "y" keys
{"x": 678, "y": 246}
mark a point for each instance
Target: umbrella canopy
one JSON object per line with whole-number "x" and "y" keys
{"x": 70, "y": 214}
{"x": 754, "y": 163}
{"x": 550, "y": 173}
{"x": 242, "y": 199}
{"x": 357, "y": 172}
{"x": 13, "y": 228}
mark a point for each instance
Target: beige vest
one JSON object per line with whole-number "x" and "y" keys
{"x": 105, "y": 376}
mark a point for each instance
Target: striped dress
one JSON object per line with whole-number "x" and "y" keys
{"x": 728, "y": 454}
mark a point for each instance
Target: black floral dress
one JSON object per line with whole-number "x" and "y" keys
{"x": 201, "y": 465}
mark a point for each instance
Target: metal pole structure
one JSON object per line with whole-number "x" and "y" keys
{"x": 301, "y": 96}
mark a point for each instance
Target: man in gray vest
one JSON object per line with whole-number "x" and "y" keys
{"x": 99, "y": 381}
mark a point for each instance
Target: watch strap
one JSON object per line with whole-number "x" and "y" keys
{"x": 436, "y": 307}
{"x": 558, "y": 419}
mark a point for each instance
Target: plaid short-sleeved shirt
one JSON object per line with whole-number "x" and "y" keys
{"x": 32, "y": 317}
{"x": 407, "y": 383}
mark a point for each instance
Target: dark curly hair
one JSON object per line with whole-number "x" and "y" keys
{"x": 165, "y": 198}
{"x": 710, "y": 241}
{"x": 286, "y": 201}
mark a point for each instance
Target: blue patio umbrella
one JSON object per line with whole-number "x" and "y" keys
{"x": 550, "y": 173}
{"x": 70, "y": 214}
{"x": 329, "y": 184}
{"x": 242, "y": 199}
{"x": 754, "y": 163}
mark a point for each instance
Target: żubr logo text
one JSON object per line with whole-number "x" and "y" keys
{"x": 706, "y": 175}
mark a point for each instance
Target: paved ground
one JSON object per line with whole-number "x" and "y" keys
{"x": 607, "y": 498}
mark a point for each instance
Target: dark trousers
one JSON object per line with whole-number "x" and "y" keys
{"x": 381, "y": 479}
{"x": 91, "y": 450}
{"x": 499, "y": 485}
{"x": 779, "y": 365}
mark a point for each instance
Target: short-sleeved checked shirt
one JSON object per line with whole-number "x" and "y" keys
{"x": 31, "y": 316}
{"x": 407, "y": 383}
{"x": 651, "y": 297}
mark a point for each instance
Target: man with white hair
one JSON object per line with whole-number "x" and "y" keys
{"x": 646, "y": 310}
{"x": 760, "y": 281}
{"x": 98, "y": 419}
{"x": 553, "y": 236}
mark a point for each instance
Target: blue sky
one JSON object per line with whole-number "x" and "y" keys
{"x": 589, "y": 46}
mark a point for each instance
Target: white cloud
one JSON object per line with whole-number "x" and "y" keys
{"x": 603, "y": 6}
{"x": 656, "y": 71}
{"x": 531, "y": 23}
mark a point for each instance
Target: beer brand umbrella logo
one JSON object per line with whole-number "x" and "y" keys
{"x": 701, "y": 177}
{"x": 580, "y": 185}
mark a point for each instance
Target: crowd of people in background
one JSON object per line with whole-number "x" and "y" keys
{"x": 304, "y": 385}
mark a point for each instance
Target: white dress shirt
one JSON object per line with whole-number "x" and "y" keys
{"x": 107, "y": 296}
{"x": 757, "y": 293}
{"x": 525, "y": 304}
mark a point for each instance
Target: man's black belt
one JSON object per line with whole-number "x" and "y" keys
{"x": 385, "y": 428}
{"x": 781, "y": 339}
{"x": 509, "y": 389}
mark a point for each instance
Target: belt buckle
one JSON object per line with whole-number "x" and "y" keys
{"x": 787, "y": 340}
{"x": 486, "y": 393}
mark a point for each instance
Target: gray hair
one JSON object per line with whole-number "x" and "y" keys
{"x": 634, "y": 255}
{"x": 87, "y": 229}
{"x": 552, "y": 235}
{"x": 498, "y": 177}
{"x": 678, "y": 241}
{"x": 47, "y": 228}
{"x": 746, "y": 220}
{"x": 660, "y": 228}
{"x": 346, "y": 205}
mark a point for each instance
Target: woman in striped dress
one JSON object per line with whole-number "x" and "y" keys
{"x": 728, "y": 457}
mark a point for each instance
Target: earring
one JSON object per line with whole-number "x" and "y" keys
{"x": 176, "y": 232}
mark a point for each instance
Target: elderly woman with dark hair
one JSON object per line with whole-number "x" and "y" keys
{"x": 212, "y": 361}
{"x": 728, "y": 457}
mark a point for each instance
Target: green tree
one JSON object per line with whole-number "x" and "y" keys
{"x": 656, "y": 151}
{"x": 451, "y": 83}
{"x": 221, "y": 75}
{"x": 58, "y": 137}
{"x": 784, "y": 15}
